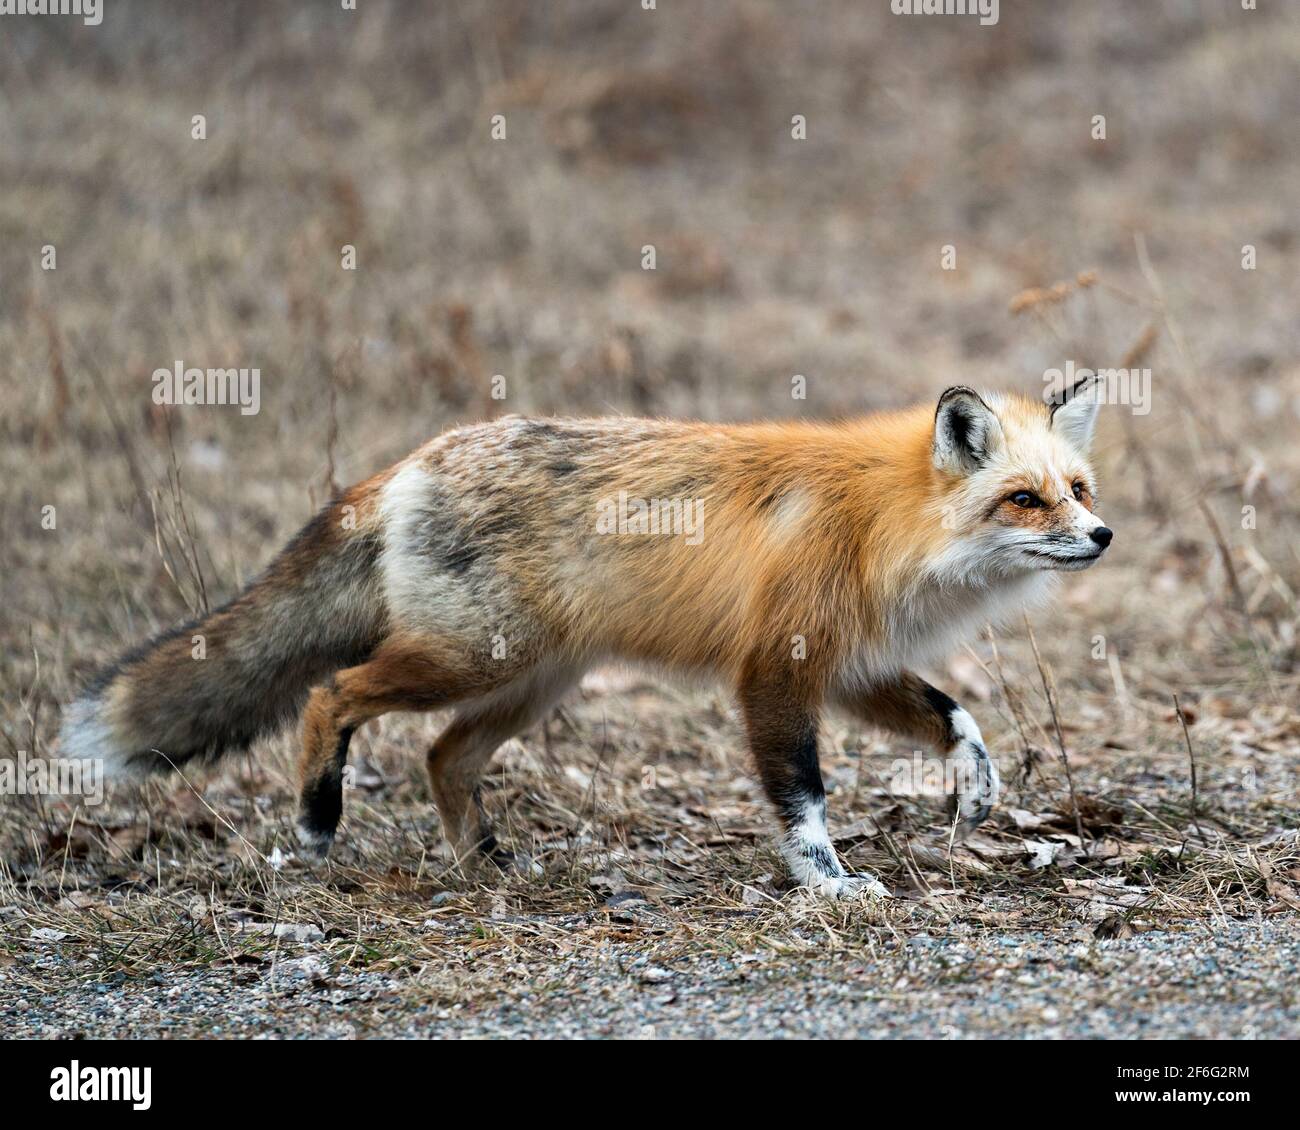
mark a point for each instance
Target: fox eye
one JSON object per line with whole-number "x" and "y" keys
{"x": 1026, "y": 499}
{"x": 1078, "y": 492}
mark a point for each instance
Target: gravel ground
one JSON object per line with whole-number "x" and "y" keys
{"x": 1237, "y": 981}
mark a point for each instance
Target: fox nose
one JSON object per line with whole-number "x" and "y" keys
{"x": 1102, "y": 535}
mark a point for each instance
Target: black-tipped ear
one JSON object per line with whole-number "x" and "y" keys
{"x": 966, "y": 431}
{"x": 1074, "y": 411}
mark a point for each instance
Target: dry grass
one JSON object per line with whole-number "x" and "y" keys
{"x": 775, "y": 257}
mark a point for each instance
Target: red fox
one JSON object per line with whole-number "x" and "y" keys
{"x": 810, "y": 565}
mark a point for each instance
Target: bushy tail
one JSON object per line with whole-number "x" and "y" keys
{"x": 215, "y": 684}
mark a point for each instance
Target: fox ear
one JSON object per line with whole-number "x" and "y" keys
{"x": 1074, "y": 411}
{"x": 966, "y": 431}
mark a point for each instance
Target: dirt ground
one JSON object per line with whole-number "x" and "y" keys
{"x": 1138, "y": 878}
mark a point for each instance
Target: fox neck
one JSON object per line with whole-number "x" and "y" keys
{"x": 937, "y": 613}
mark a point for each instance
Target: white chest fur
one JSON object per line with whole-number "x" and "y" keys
{"x": 935, "y": 619}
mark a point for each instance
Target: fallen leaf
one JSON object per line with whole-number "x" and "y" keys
{"x": 287, "y": 931}
{"x": 1042, "y": 853}
{"x": 79, "y": 900}
{"x": 1032, "y": 821}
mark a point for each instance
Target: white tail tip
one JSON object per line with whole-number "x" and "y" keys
{"x": 87, "y": 735}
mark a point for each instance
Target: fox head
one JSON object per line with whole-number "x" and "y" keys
{"x": 1015, "y": 479}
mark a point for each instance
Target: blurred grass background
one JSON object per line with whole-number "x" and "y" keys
{"x": 522, "y": 257}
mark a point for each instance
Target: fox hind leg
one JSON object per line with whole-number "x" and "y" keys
{"x": 401, "y": 675}
{"x": 320, "y": 799}
{"x": 458, "y": 759}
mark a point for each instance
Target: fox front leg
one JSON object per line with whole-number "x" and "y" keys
{"x": 913, "y": 708}
{"x": 783, "y": 737}
{"x": 977, "y": 783}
